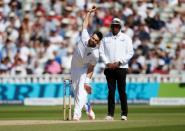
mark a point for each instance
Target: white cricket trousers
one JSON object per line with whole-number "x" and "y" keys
{"x": 78, "y": 77}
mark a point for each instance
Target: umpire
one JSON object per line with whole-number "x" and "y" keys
{"x": 115, "y": 51}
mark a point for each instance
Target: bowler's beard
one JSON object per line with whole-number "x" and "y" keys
{"x": 91, "y": 44}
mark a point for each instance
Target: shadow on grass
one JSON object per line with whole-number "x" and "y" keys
{"x": 151, "y": 128}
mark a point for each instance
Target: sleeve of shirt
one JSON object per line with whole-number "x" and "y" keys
{"x": 102, "y": 52}
{"x": 129, "y": 53}
{"x": 84, "y": 36}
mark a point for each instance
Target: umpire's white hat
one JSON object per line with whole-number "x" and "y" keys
{"x": 116, "y": 21}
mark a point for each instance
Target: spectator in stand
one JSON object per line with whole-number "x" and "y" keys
{"x": 53, "y": 67}
{"x": 9, "y": 49}
{"x": 134, "y": 66}
{"x": 145, "y": 22}
{"x": 155, "y": 23}
{"x": 40, "y": 8}
{"x": 5, "y": 65}
{"x": 143, "y": 33}
{"x": 18, "y": 67}
{"x": 160, "y": 68}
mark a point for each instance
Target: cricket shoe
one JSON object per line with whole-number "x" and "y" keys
{"x": 124, "y": 118}
{"x": 109, "y": 118}
{"x": 75, "y": 118}
{"x": 90, "y": 113}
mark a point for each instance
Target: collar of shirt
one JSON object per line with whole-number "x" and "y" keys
{"x": 92, "y": 48}
{"x": 116, "y": 36}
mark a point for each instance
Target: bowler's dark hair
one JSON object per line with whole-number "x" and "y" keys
{"x": 99, "y": 34}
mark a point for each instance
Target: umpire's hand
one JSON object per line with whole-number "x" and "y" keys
{"x": 110, "y": 65}
{"x": 113, "y": 65}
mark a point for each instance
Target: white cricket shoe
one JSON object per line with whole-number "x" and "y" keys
{"x": 109, "y": 118}
{"x": 75, "y": 118}
{"x": 124, "y": 118}
{"x": 90, "y": 113}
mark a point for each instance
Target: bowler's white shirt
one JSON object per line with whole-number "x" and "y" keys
{"x": 84, "y": 55}
{"x": 116, "y": 48}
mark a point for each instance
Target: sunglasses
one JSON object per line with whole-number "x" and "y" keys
{"x": 115, "y": 26}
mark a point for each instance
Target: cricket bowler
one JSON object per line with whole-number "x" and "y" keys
{"x": 85, "y": 57}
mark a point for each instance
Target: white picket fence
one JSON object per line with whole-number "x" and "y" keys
{"x": 96, "y": 78}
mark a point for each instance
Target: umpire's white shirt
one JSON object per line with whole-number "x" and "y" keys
{"x": 116, "y": 48}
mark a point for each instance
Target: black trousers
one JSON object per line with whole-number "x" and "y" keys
{"x": 116, "y": 77}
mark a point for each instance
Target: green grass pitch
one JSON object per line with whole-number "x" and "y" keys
{"x": 140, "y": 118}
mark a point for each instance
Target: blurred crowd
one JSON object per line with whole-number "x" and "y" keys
{"x": 39, "y": 36}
